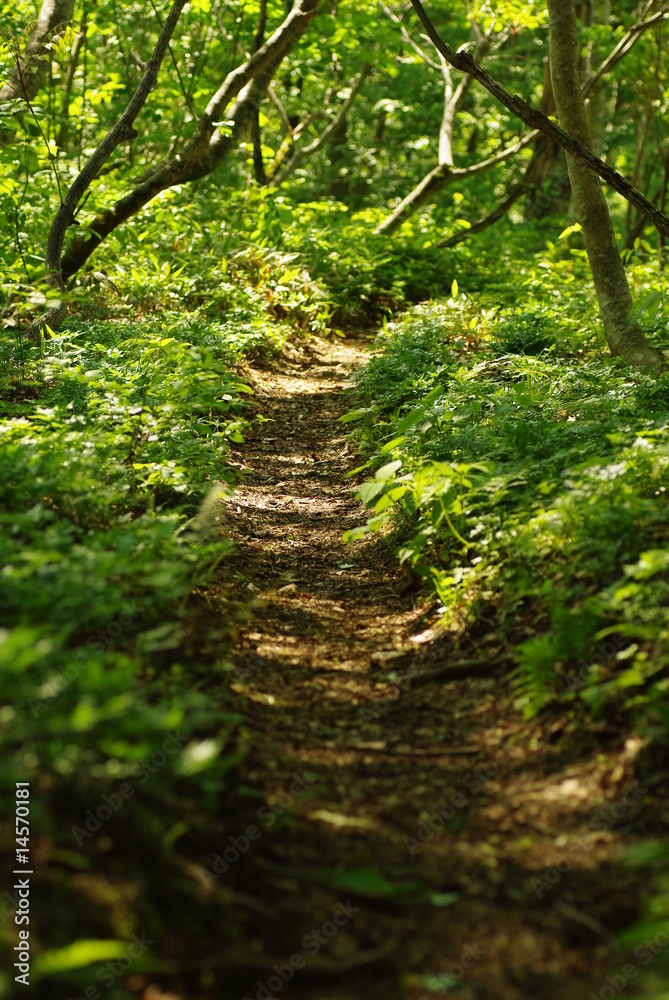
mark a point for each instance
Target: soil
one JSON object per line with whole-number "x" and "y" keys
{"x": 412, "y": 842}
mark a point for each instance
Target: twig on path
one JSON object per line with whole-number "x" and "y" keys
{"x": 586, "y": 920}
{"x": 413, "y": 751}
{"x": 461, "y": 669}
{"x": 315, "y": 967}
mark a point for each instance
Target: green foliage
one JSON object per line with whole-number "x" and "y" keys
{"x": 521, "y": 472}
{"x": 114, "y": 458}
{"x": 526, "y": 332}
{"x": 527, "y": 488}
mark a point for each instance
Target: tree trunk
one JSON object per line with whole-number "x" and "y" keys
{"x": 440, "y": 176}
{"x": 256, "y": 133}
{"x": 122, "y": 130}
{"x": 552, "y": 191}
{"x": 595, "y": 106}
{"x": 210, "y": 143}
{"x": 31, "y": 65}
{"x": 615, "y": 301}
{"x": 61, "y": 141}
{"x": 535, "y": 119}
{"x": 558, "y": 196}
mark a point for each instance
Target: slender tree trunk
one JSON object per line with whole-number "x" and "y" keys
{"x": 32, "y": 64}
{"x": 559, "y": 197}
{"x": 61, "y": 141}
{"x": 440, "y": 176}
{"x": 256, "y": 133}
{"x": 615, "y": 300}
{"x": 209, "y": 144}
{"x": 552, "y": 191}
{"x": 594, "y": 12}
{"x": 122, "y": 130}
{"x": 595, "y": 106}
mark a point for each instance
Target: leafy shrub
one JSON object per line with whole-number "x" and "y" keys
{"x": 529, "y": 485}
{"x": 111, "y": 444}
{"x": 524, "y": 332}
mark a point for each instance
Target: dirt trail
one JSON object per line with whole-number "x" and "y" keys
{"x": 350, "y": 775}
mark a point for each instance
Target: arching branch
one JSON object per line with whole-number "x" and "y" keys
{"x": 121, "y": 131}
{"x": 535, "y": 119}
{"x": 209, "y": 144}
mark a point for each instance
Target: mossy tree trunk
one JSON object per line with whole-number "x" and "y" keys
{"x": 615, "y": 300}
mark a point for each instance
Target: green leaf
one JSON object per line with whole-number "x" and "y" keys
{"x": 369, "y": 882}
{"x": 77, "y": 956}
{"x": 352, "y": 415}
{"x": 575, "y": 228}
{"x": 354, "y": 533}
{"x": 649, "y": 304}
{"x": 369, "y": 490}
{"x": 391, "y": 445}
{"x": 388, "y": 471}
{"x": 411, "y": 419}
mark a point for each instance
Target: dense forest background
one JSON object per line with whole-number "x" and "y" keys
{"x": 197, "y": 194}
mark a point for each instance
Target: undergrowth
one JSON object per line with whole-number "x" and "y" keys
{"x": 114, "y": 457}
{"x": 529, "y": 478}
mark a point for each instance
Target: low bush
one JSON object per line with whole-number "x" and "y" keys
{"x": 530, "y": 489}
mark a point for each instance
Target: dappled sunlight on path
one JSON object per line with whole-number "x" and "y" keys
{"x": 462, "y": 836}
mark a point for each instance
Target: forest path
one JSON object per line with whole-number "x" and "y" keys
{"x": 350, "y": 775}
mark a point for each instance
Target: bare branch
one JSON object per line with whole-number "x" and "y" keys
{"x": 407, "y": 37}
{"x": 283, "y": 114}
{"x": 302, "y": 152}
{"x": 526, "y": 182}
{"x": 626, "y": 43}
{"x": 442, "y": 177}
